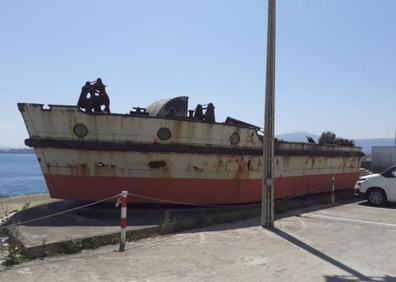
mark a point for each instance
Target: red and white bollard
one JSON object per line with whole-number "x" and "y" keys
{"x": 123, "y": 221}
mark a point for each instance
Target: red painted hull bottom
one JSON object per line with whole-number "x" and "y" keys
{"x": 203, "y": 191}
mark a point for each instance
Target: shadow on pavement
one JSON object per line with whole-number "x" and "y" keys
{"x": 348, "y": 278}
{"x": 386, "y": 206}
{"x": 354, "y": 274}
{"x": 256, "y": 221}
{"x": 106, "y": 214}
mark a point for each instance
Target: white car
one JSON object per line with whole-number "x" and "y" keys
{"x": 378, "y": 188}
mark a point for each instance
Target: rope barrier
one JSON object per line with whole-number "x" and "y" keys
{"x": 122, "y": 199}
{"x": 109, "y": 198}
{"x": 123, "y": 221}
{"x": 58, "y": 213}
{"x": 178, "y": 203}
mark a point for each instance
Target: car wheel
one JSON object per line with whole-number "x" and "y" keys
{"x": 376, "y": 197}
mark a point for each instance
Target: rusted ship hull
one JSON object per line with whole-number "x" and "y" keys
{"x": 199, "y": 162}
{"x": 217, "y": 179}
{"x": 207, "y": 191}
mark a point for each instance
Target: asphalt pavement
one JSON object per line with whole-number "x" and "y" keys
{"x": 352, "y": 242}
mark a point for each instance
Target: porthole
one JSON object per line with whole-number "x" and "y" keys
{"x": 164, "y": 134}
{"x": 80, "y": 130}
{"x": 234, "y": 138}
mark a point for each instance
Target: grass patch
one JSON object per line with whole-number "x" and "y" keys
{"x": 13, "y": 251}
{"x": 71, "y": 247}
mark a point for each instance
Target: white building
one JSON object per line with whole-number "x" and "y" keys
{"x": 382, "y": 157}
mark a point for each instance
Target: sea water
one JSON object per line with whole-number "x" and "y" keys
{"x": 20, "y": 174}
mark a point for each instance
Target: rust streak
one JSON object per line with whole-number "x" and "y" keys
{"x": 197, "y": 168}
{"x": 249, "y": 165}
{"x": 241, "y": 172}
{"x": 157, "y": 164}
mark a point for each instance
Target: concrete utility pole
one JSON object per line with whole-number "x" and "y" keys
{"x": 267, "y": 197}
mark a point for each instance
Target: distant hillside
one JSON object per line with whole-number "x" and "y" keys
{"x": 366, "y": 144}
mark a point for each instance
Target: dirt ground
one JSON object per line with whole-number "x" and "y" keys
{"x": 12, "y": 204}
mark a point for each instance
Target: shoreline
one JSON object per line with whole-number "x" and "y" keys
{"x": 12, "y": 204}
{"x": 26, "y": 151}
{"x": 3, "y": 196}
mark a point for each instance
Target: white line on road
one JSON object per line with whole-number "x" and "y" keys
{"x": 341, "y": 219}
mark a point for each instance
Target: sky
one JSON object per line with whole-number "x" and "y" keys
{"x": 335, "y": 59}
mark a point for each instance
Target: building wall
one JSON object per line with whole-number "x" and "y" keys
{"x": 383, "y": 157}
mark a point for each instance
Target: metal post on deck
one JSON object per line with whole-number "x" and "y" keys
{"x": 332, "y": 190}
{"x": 123, "y": 221}
{"x": 267, "y": 197}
